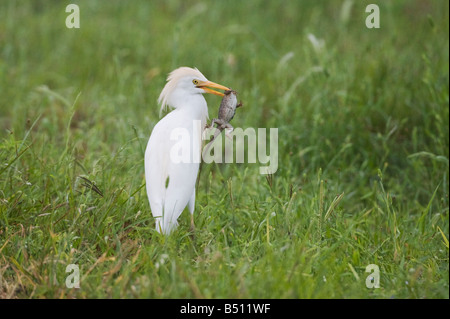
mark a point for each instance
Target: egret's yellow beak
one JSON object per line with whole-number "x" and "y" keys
{"x": 207, "y": 85}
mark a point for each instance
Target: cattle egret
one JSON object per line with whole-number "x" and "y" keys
{"x": 170, "y": 181}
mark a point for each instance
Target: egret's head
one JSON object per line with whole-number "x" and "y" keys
{"x": 185, "y": 81}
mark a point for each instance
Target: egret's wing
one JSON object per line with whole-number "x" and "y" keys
{"x": 169, "y": 184}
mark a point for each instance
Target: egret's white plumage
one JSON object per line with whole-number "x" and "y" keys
{"x": 171, "y": 185}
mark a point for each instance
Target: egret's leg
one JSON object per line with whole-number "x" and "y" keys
{"x": 192, "y": 228}
{"x": 191, "y": 207}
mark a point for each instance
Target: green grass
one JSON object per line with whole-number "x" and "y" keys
{"x": 363, "y": 150}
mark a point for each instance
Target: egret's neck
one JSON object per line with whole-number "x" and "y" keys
{"x": 193, "y": 105}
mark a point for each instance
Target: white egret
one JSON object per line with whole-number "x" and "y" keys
{"x": 171, "y": 182}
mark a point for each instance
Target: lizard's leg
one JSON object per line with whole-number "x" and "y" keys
{"x": 228, "y": 129}
{"x": 217, "y": 121}
{"x": 216, "y": 133}
{"x": 219, "y": 130}
{"x": 212, "y": 123}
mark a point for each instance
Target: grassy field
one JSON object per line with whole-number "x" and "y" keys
{"x": 363, "y": 175}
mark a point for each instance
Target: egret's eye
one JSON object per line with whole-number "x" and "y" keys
{"x": 195, "y": 82}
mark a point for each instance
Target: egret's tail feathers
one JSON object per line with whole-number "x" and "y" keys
{"x": 158, "y": 225}
{"x": 165, "y": 227}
